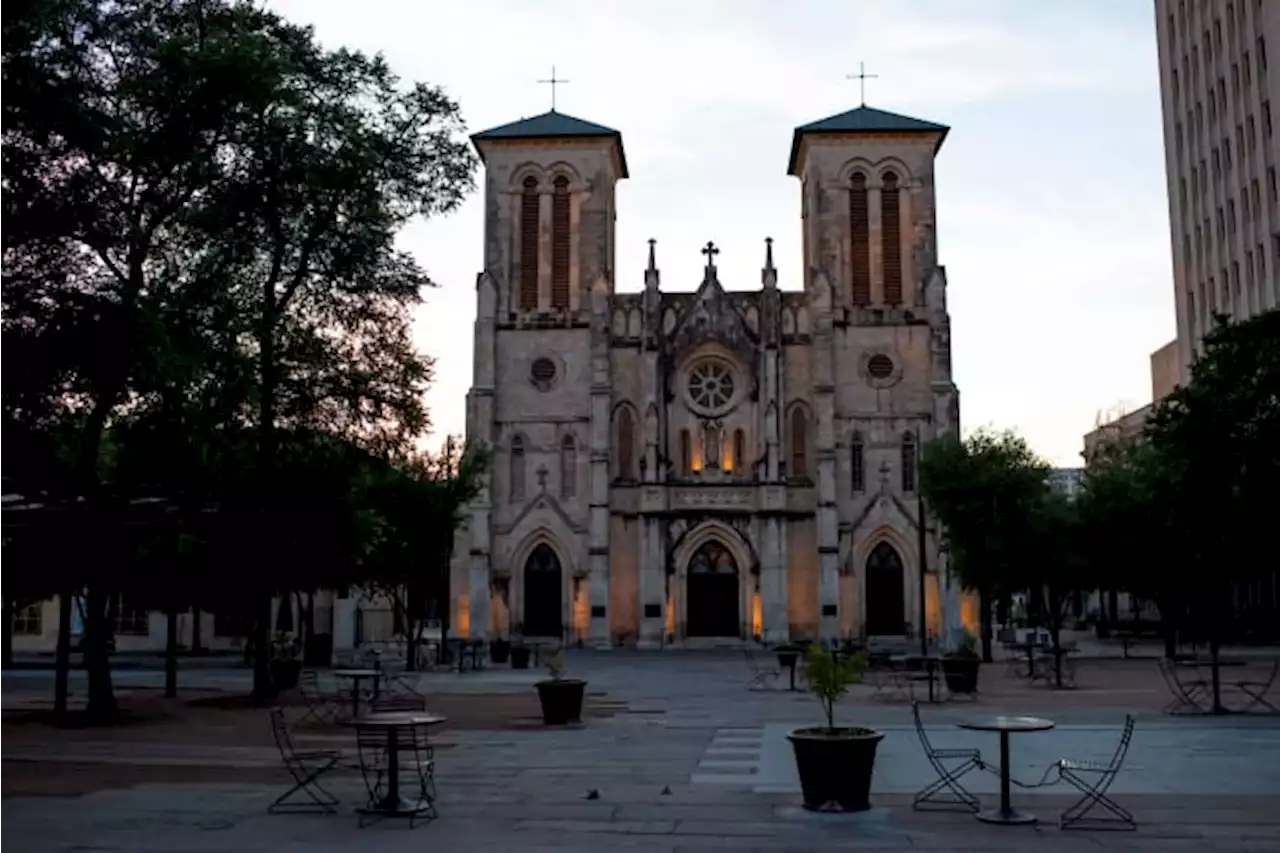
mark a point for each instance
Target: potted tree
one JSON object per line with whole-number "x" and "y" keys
{"x": 561, "y": 697}
{"x": 834, "y": 763}
{"x": 286, "y": 660}
{"x": 960, "y": 668}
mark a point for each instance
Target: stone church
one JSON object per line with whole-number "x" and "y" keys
{"x": 679, "y": 468}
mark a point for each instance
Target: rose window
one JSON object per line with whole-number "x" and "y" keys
{"x": 710, "y": 386}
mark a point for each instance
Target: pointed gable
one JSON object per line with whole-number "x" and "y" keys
{"x": 864, "y": 119}
{"x": 712, "y": 315}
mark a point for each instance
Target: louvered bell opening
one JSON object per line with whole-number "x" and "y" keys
{"x": 891, "y": 228}
{"x": 529, "y": 246}
{"x": 860, "y": 227}
{"x": 560, "y": 244}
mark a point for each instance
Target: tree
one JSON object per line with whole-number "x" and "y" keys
{"x": 985, "y": 490}
{"x": 204, "y": 205}
{"x": 419, "y": 504}
{"x": 1130, "y": 532}
{"x": 324, "y": 181}
{"x": 1216, "y": 436}
{"x": 115, "y": 117}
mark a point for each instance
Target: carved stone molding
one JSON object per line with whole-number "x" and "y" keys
{"x": 713, "y": 498}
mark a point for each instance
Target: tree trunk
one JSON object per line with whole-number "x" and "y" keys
{"x": 62, "y": 664}
{"x": 8, "y": 633}
{"x": 171, "y": 653}
{"x": 263, "y": 688}
{"x": 1054, "y": 616}
{"x": 985, "y": 622}
{"x": 101, "y": 707}
{"x": 196, "y": 646}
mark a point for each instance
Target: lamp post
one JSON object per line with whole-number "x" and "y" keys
{"x": 921, "y": 544}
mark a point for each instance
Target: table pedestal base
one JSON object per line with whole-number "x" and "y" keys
{"x": 1005, "y": 816}
{"x": 397, "y": 807}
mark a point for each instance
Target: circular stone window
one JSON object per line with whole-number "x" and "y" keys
{"x": 880, "y": 366}
{"x": 542, "y": 373}
{"x": 710, "y": 385}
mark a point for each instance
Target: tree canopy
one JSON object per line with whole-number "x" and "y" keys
{"x": 203, "y": 287}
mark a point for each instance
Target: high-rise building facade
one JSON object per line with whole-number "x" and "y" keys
{"x": 1217, "y": 84}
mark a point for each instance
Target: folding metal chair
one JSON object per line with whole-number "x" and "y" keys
{"x": 1190, "y": 695}
{"x": 1093, "y": 779}
{"x": 306, "y": 768}
{"x": 321, "y": 706}
{"x": 1257, "y": 691}
{"x": 950, "y": 765}
{"x": 762, "y": 675}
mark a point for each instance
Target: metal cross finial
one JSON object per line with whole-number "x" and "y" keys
{"x": 553, "y": 81}
{"x": 542, "y": 473}
{"x": 862, "y": 76}
{"x": 710, "y": 251}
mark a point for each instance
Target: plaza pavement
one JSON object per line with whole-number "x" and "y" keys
{"x": 690, "y": 760}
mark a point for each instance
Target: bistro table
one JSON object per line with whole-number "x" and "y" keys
{"x": 356, "y": 676}
{"x": 393, "y": 724}
{"x": 1006, "y": 814}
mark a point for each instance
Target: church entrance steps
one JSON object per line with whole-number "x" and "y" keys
{"x": 707, "y": 643}
{"x": 732, "y": 758}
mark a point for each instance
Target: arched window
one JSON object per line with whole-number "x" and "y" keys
{"x": 908, "y": 462}
{"x": 517, "y": 468}
{"x": 860, "y": 234}
{"x": 891, "y": 234}
{"x": 857, "y": 464}
{"x": 568, "y": 467}
{"x": 739, "y": 452}
{"x": 560, "y": 243}
{"x": 626, "y": 438}
{"x": 529, "y": 204}
{"x": 686, "y": 452}
{"x": 799, "y": 442}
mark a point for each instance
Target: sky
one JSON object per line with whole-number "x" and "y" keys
{"x": 1052, "y": 215}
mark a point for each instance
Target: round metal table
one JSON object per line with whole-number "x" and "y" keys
{"x": 393, "y": 805}
{"x": 356, "y": 676}
{"x": 1006, "y": 813}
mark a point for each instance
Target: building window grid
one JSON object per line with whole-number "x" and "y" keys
{"x": 28, "y": 621}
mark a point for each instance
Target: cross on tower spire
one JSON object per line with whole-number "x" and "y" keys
{"x": 710, "y": 251}
{"x": 862, "y": 76}
{"x": 553, "y": 80}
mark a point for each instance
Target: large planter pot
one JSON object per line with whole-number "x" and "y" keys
{"x": 285, "y": 673}
{"x": 520, "y": 657}
{"x": 499, "y": 651}
{"x": 961, "y": 674}
{"x": 561, "y": 700}
{"x": 835, "y": 767}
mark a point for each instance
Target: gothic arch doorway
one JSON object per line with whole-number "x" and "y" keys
{"x": 712, "y": 607}
{"x": 886, "y": 603}
{"x": 542, "y": 593}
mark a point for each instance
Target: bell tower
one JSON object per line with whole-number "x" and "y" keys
{"x": 540, "y": 395}
{"x": 867, "y": 205}
{"x": 549, "y": 213}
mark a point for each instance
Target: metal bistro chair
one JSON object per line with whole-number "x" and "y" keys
{"x": 946, "y": 791}
{"x": 322, "y": 706}
{"x": 762, "y": 674}
{"x": 1093, "y": 779}
{"x": 306, "y": 768}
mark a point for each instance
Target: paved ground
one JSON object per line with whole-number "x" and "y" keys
{"x": 676, "y": 755}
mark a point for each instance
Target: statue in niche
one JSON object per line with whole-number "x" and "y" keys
{"x": 711, "y": 444}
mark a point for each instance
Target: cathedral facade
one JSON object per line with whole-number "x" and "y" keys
{"x": 699, "y": 467}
